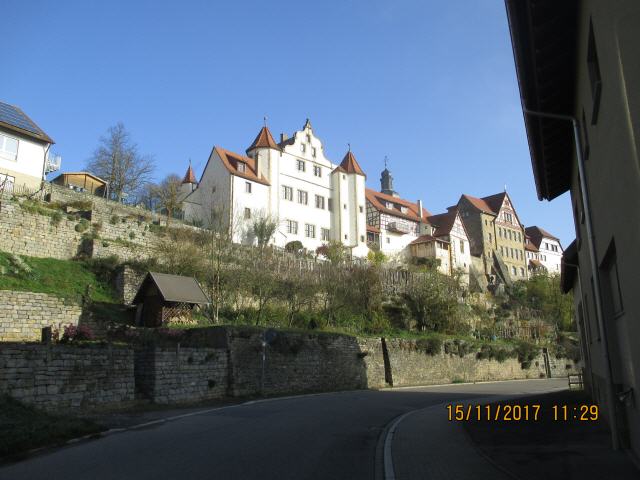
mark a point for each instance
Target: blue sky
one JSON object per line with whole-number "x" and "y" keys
{"x": 431, "y": 84}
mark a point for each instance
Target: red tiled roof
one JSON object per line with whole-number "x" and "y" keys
{"x": 537, "y": 234}
{"x": 371, "y": 228}
{"x": 531, "y": 247}
{"x": 495, "y": 201}
{"x": 378, "y": 200}
{"x": 443, "y": 222}
{"x": 263, "y": 140}
{"x": 535, "y": 263}
{"x": 231, "y": 160}
{"x": 189, "y": 177}
{"x": 349, "y": 164}
{"x": 427, "y": 239}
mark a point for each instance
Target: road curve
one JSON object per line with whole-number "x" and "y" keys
{"x": 326, "y": 436}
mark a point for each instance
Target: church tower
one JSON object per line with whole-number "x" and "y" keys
{"x": 386, "y": 181}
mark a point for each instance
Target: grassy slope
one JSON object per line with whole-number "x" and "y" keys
{"x": 23, "y": 427}
{"x": 62, "y": 278}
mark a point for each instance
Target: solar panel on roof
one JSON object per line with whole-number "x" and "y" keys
{"x": 11, "y": 115}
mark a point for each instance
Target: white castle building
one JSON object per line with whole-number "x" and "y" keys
{"x": 312, "y": 199}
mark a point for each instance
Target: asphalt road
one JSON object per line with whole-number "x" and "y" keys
{"x": 325, "y": 436}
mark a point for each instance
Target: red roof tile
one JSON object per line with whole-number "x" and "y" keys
{"x": 263, "y": 140}
{"x": 231, "y": 160}
{"x": 537, "y": 234}
{"x": 443, "y": 222}
{"x": 371, "y": 228}
{"x": 378, "y": 200}
{"x": 350, "y": 165}
{"x": 189, "y": 177}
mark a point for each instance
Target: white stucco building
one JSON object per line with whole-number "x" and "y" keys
{"x": 549, "y": 248}
{"x": 312, "y": 199}
{"x": 392, "y": 222}
{"x": 24, "y": 150}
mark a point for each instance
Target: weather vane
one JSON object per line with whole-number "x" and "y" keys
{"x": 349, "y": 145}
{"x": 265, "y": 120}
{"x": 385, "y": 161}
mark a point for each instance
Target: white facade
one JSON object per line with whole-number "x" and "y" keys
{"x": 312, "y": 199}
{"x": 460, "y": 248}
{"x": 550, "y": 252}
{"x": 22, "y": 159}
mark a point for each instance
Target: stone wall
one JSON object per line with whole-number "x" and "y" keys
{"x": 24, "y": 314}
{"x": 181, "y": 374}
{"x": 126, "y": 283}
{"x": 36, "y": 235}
{"x": 63, "y": 376}
{"x": 294, "y": 363}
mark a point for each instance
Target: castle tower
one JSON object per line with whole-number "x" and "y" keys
{"x": 189, "y": 183}
{"x": 350, "y": 206}
{"x": 386, "y": 181}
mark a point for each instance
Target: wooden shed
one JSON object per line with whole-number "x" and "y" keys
{"x": 82, "y": 182}
{"x": 163, "y": 298}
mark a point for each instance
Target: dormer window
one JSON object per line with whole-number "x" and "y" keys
{"x": 403, "y": 209}
{"x": 389, "y": 205}
{"x": 242, "y": 168}
{"x": 303, "y": 147}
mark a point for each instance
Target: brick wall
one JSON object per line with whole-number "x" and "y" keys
{"x": 24, "y": 314}
{"x": 63, "y": 376}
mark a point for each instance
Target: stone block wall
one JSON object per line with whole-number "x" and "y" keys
{"x": 24, "y": 314}
{"x": 294, "y": 363}
{"x": 64, "y": 376}
{"x": 181, "y": 374}
{"x": 35, "y": 235}
{"x": 126, "y": 282}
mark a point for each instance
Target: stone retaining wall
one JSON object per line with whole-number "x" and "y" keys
{"x": 60, "y": 376}
{"x": 24, "y": 314}
{"x": 181, "y": 374}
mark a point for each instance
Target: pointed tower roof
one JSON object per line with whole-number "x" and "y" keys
{"x": 263, "y": 140}
{"x": 349, "y": 164}
{"x": 189, "y": 177}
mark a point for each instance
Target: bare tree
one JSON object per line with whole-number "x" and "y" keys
{"x": 168, "y": 195}
{"x": 118, "y": 161}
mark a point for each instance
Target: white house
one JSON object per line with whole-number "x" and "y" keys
{"x": 313, "y": 200}
{"x": 24, "y": 150}
{"x": 392, "y": 222}
{"x": 549, "y": 248}
{"x": 450, "y": 228}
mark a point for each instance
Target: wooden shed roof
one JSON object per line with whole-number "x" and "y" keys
{"x": 173, "y": 288}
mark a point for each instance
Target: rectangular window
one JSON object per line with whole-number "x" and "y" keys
{"x": 309, "y": 230}
{"x": 242, "y": 167}
{"x": 301, "y": 165}
{"x": 247, "y": 213}
{"x": 287, "y": 193}
{"x": 594, "y": 74}
{"x": 320, "y": 202}
{"x": 362, "y": 238}
{"x": 247, "y": 187}
{"x": 330, "y": 204}
{"x": 514, "y": 271}
{"x": 461, "y": 246}
{"x": 303, "y": 147}
{"x": 344, "y": 206}
{"x": 313, "y": 153}
{"x": 521, "y": 272}
{"x": 490, "y": 237}
{"x": 8, "y": 147}
{"x": 303, "y": 197}
{"x": 317, "y": 171}
{"x": 292, "y": 227}
{"x": 361, "y": 209}
{"x": 324, "y": 234}
{"x": 388, "y": 239}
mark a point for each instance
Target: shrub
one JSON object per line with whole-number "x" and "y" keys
{"x": 56, "y": 218}
{"x": 526, "y": 353}
{"x": 113, "y": 220}
{"x": 82, "y": 225}
{"x": 103, "y": 268}
{"x": 73, "y": 333}
{"x": 132, "y": 235}
{"x": 294, "y": 247}
{"x": 430, "y": 346}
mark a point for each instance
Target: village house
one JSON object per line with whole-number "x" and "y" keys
{"x": 392, "y": 222}
{"x": 532, "y": 253}
{"x": 578, "y": 72}
{"x": 312, "y": 200}
{"x": 24, "y": 151}
{"x": 549, "y": 248}
{"x": 496, "y": 237}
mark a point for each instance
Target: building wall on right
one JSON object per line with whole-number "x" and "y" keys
{"x": 608, "y": 108}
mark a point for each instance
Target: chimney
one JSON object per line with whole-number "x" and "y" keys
{"x": 283, "y": 137}
{"x": 420, "y": 209}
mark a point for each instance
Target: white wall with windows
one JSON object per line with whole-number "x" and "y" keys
{"x": 551, "y": 255}
{"x": 21, "y": 159}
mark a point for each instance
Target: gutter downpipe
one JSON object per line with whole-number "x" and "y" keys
{"x": 615, "y": 441}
